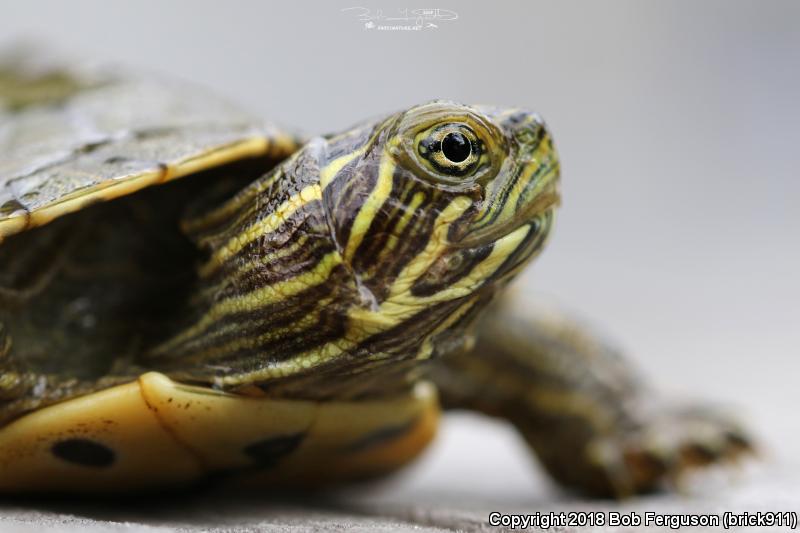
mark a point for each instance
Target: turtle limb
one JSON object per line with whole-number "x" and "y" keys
{"x": 580, "y": 406}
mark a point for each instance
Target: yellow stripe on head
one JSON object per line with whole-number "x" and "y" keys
{"x": 376, "y": 200}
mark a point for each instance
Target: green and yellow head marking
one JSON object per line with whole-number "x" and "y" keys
{"x": 368, "y": 247}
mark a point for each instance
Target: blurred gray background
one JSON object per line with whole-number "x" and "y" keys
{"x": 677, "y": 124}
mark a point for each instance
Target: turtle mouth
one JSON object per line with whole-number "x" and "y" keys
{"x": 543, "y": 202}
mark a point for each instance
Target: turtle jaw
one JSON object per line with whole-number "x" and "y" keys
{"x": 530, "y": 214}
{"x": 518, "y": 205}
{"x": 527, "y": 184}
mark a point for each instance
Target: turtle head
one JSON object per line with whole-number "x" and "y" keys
{"x": 436, "y": 207}
{"x": 369, "y": 247}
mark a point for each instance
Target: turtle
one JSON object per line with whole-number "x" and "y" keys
{"x": 189, "y": 293}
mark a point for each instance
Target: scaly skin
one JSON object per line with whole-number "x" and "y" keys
{"x": 364, "y": 252}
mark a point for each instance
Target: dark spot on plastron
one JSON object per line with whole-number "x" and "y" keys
{"x": 381, "y": 436}
{"x": 84, "y": 452}
{"x": 269, "y": 451}
{"x": 114, "y": 160}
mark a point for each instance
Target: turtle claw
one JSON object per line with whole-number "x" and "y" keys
{"x": 660, "y": 452}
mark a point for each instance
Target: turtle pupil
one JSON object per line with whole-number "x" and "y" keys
{"x": 456, "y": 147}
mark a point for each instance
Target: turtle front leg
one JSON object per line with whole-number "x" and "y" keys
{"x": 592, "y": 424}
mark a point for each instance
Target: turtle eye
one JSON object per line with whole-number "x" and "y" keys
{"x": 453, "y": 149}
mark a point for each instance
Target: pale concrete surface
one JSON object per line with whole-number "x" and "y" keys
{"x": 677, "y": 125}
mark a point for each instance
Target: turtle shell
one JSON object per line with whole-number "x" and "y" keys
{"x": 70, "y": 138}
{"x": 156, "y": 433}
